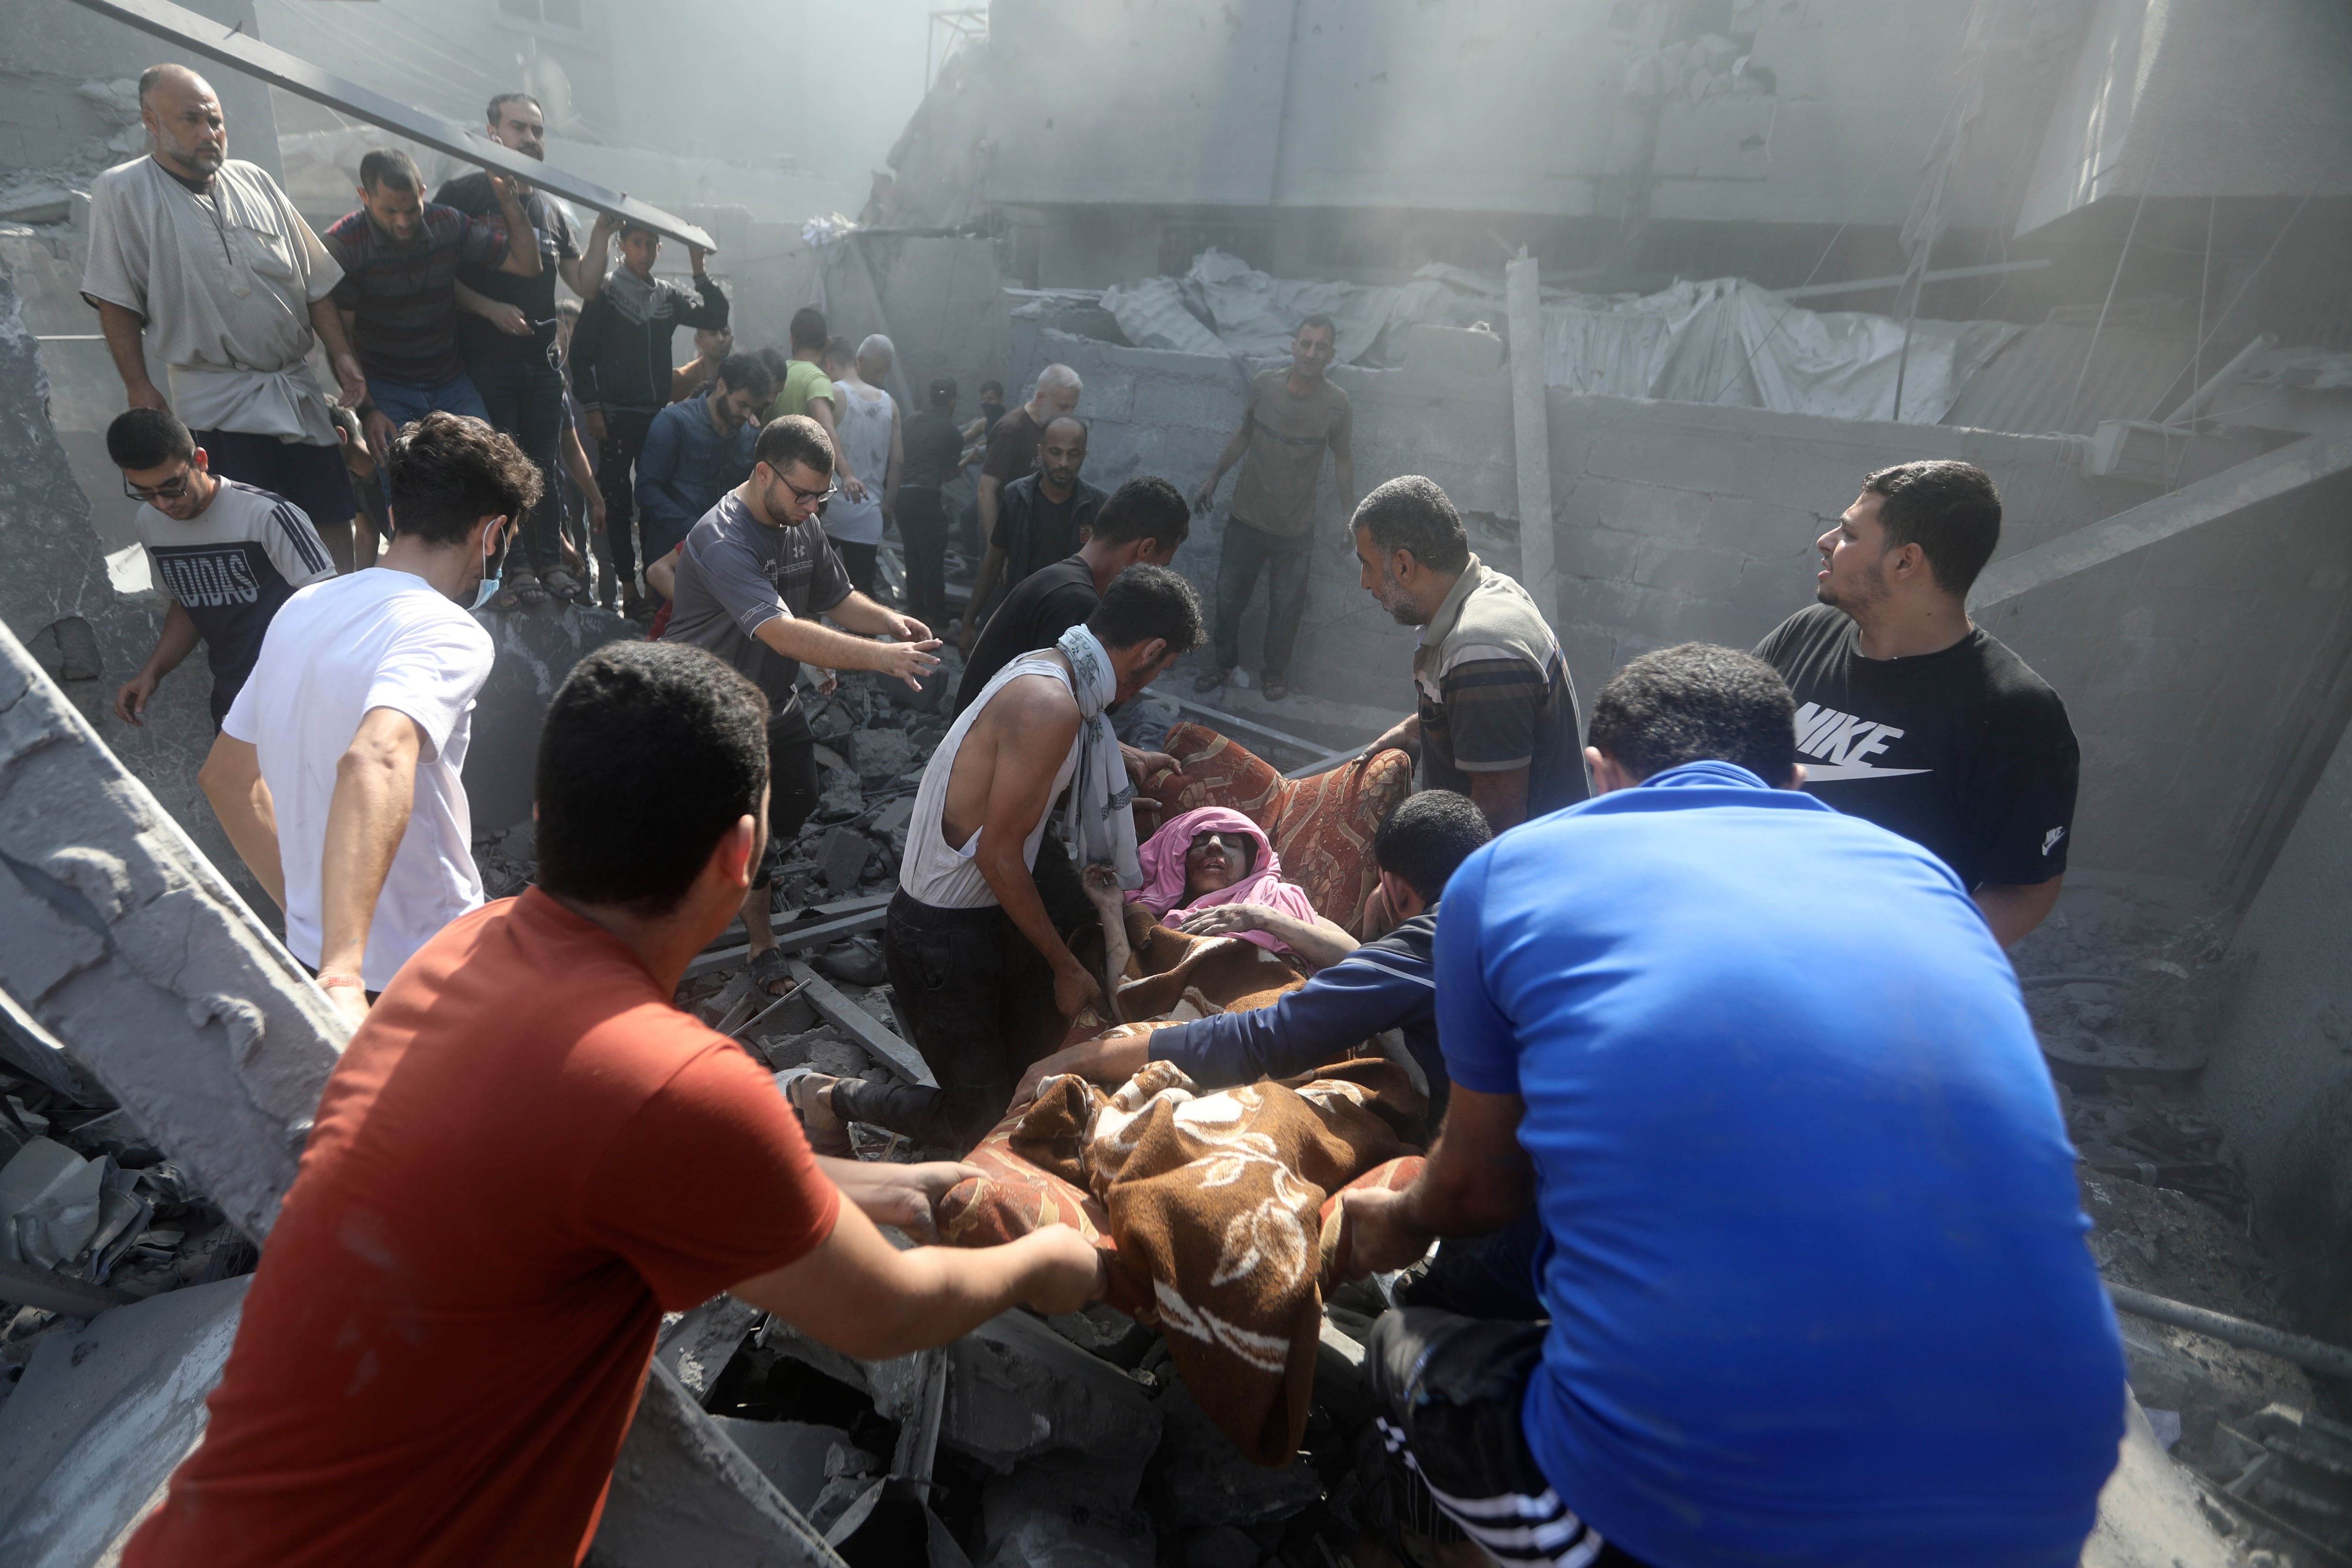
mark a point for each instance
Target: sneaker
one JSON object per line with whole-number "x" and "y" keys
{"x": 1210, "y": 679}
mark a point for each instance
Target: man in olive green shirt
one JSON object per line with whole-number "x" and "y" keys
{"x": 1291, "y": 417}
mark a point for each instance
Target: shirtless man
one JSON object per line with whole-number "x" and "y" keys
{"x": 978, "y": 970}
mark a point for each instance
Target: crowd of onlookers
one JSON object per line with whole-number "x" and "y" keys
{"x": 1761, "y": 1240}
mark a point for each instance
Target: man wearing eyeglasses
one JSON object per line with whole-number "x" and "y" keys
{"x": 752, "y": 578}
{"x": 227, "y": 554}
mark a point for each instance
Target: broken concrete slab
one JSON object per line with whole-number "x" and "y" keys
{"x": 122, "y": 939}
{"x": 697, "y": 1347}
{"x": 880, "y": 755}
{"x": 102, "y": 1419}
{"x": 2150, "y": 1513}
{"x": 863, "y": 1027}
{"x": 1053, "y": 1512}
{"x": 841, "y": 857}
{"x": 48, "y": 1203}
{"x": 792, "y": 1454}
{"x": 683, "y": 1492}
{"x": 536, "y": 649}
{"x": 1198, "y": 1474}
{"x": 842, "y": 798}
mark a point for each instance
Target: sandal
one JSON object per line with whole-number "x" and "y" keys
{"x": 562, "y": 585}
{"x": 527, "y": 589}
{"x": 767, "y": 968}
{"x": 827, "y": 1134}
{"x": 1210, "y": 679}
{"x": 1276, "y": 689}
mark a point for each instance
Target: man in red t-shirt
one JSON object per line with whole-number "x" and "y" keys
{"x": 525, "y": 1156}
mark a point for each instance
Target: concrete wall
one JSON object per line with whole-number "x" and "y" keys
{"x": 2281, "y": 1079}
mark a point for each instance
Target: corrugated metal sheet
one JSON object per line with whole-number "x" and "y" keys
{"x": 2027, "y": 386}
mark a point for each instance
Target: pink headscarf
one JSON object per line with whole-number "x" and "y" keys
{"x": 1162, "y": 858}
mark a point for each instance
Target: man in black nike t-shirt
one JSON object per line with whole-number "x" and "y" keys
{"x": 1910, "y": 715}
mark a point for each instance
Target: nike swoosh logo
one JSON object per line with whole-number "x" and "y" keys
{"x": 1829, "y": 773}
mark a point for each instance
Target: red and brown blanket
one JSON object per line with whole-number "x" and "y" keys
{"x": 1213, "y": 1205}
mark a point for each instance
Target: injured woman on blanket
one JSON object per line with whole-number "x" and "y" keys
{"x": 1356, "y": 993}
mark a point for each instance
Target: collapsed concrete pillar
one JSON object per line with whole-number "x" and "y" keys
{"x": 122, "y": 939}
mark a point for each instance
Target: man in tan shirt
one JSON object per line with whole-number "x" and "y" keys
{"x": 1291, "y": 417}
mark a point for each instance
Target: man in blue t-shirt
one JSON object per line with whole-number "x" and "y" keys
{"x": 1813, "y": 1256}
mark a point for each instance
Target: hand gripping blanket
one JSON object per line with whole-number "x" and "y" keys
{"x": 1216, "y": 1204}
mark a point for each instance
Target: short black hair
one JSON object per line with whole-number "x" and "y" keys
{"x": 1693, "y": 703}
{"x": 794, "y": 439}
{"x": 389, "y": 168}
{"x": 1147, "y": 506}
{"x": 493, "y": 117}
{"x": 147, "y": 439}
{"x": 1146, "y": 602}
{"x": 777, "y": 361}
{"x": 995, "y": 386}
{"x": 943, "y": 391}
{"x": 1319, "y": 320}
{"x": 631, "y": 225}
{"x": 1949, "y": 510}
{"x": 1426, "y": 838}
{"x": 747, "y": 373}
{"x": 451, "y": 471}
{"x": 1086, "y": 431}
{"x": 1412, "y": 512}
{"x": 633, "y": 722}
{"x": 808, "y": 329}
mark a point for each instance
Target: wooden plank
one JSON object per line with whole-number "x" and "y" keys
{"x": 862, "y": 1026}
{"x": 192, "y": 30}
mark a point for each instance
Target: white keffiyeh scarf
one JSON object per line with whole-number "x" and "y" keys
{"x": 1100, "y": 821}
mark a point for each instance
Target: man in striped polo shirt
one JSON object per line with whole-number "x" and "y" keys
{"x": 399, "y": 256}
{"x": 1496, "y": 717}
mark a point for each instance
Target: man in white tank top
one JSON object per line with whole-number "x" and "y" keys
{"x": 978, "y": 970}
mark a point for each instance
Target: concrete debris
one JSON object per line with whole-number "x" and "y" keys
{"x": 857, "y": 962}
{"x": 1198, "y": 1476}
{"x": 841, "y": 858}
{"x": 880, "y": 755}
{"x": 683, "y": 1492}
{"x": 2152, "y": 1513}
{"x": 798, "y": 1459}
{"x": 48, "y": 1203}
{"x": 103, "y": 1413}
{"x": 1051, "y": 1513}
{"x": 125, "y": 944}
{"x": 841, "y": 798}
{"x": 699, "y": 1344}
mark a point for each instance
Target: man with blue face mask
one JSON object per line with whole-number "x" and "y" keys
{"x": 337, "y": 771}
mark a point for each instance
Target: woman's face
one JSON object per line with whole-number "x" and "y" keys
{"x": 1217, "y": 859}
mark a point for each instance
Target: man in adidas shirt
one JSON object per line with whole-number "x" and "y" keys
{"x": 1910, "y": 715}
{"x": 227, "y": 554}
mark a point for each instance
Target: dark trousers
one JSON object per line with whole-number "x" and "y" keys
{"x": 1247, "y": 552}
{"x": 977, "y": 998}
{"x": 526, "y": 400}
{"x": 616, "y": 476}
{"x": 923, "y": 529}
{"x": 1446, "y": 1393}
{"x": 1490, "y": 1277}
{"x": 860, "y": 562}
{"x": 312, "y": 478}
{"x": 793, "y": 786}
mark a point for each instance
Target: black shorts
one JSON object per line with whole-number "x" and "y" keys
{"x": 312, "y": 478}
{"x": 1446, "y": 1393}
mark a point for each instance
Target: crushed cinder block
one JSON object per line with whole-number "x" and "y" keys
{"x": 103, "y": 1414}
{"x": 683, "y": 1492}
{"x": 880, "y": 755}
{"x": 841, "y": 857}
{"x": 841, "y": 798}
{"x": 1054, "y": 1512}
{"x": 1199, "y": 1478}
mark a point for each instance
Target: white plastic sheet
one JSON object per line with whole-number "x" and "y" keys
{"x": 1724, "y": 341}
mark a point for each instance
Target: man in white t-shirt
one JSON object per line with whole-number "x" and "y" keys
{"x": 337, "y": 772}
{"x": 229, "y": 554}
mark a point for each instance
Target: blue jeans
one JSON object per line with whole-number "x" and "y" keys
{"x": 404, "y": 403}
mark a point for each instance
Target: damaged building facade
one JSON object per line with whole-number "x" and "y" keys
{"x": 1646, "y": 286}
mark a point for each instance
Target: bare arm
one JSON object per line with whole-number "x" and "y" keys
{"x": 1112, "y": 1057}
{"x": 522, "y": 240}
{"x": 575, "y": 463}
{"x": 821, "y": 410}
{"x": 661, "y": 575}
{"x": 125, "y": 332}
{"x": 1343, "y": 469}
{"x": 2014, "y": 908}
{"x": 327, "y": 322}
{"x": 859, "y": 614}
{"x": 1318, "y": 945}
{"x": 1207, "y": 495}
{"x": 1478, "y": 1180}
{"x": 376, "y": 786}
{"x": 231, "y": 780}
{"x": 812, "y": 642}
{"x": 174, "y": 643}
{"x": 1502, "y": 796}
{"x": 507, "y": 319}
{"x": 861, "y": 1296}
{"x": 895, "y": 1194}
{"x": 1030, "y": 735}
{"x": 584, "y": 273}
{"x": 1404, "y": 735}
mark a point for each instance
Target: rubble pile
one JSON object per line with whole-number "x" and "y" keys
{"x": 92, "y": 1217}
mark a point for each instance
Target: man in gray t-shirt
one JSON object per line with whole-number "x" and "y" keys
{"x": 752, "y": 576}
